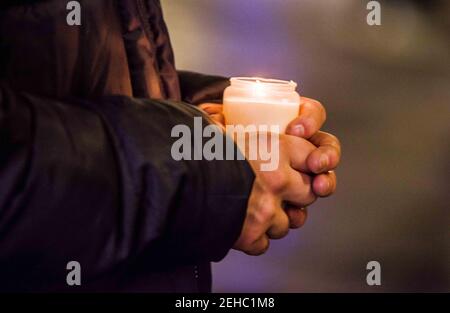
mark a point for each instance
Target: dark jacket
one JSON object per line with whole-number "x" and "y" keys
{"x": 86, "y": 173}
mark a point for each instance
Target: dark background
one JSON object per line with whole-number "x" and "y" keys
{"x": 387, "y": 92}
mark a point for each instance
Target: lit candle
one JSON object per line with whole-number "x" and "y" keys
{"x": 259, "y": 101}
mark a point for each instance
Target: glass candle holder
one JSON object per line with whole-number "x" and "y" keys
{"x": 260, "y": 101}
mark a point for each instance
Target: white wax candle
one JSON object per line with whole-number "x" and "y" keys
{"x": 258, "y": 101}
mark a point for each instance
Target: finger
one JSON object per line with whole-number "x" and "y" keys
{"x": 280, "y": 226}
{"x": 297, "y": 216}
{"x": 325, "y": 184}
{"x": 219, "y": 118}
{"x": 255, "y": 247}
{"x": 299, "y": 151}
{"x": 328, "y": 154}
{"x": 211, "y": 108}
{"x": 298, "y": 191}
{"x": 260, "y": 214}
{"x": 258, "y": 247}
{"x": 311, "y": 117}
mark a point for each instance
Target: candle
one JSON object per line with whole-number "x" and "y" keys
{"x": 261, "y": 102}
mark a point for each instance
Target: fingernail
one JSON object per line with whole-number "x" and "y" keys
{"x": 323, "y": 161}
{"x": 298, "y": 130}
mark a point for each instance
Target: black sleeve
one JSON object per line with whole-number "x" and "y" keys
{"x": 95, "y": 182}
{"x": 199, "y": 88}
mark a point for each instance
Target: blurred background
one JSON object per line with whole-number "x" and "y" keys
{"x": 387, "y": 92}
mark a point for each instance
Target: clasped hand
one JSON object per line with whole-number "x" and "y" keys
{"x": 278, "y": 200}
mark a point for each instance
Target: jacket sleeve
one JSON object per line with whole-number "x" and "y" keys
{"x": 95, "y": 182}
{"x": 199, "y": 88}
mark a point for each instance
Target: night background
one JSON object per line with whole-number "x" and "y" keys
{"x": 387, "y": 92}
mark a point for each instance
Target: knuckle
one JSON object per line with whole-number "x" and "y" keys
{"x": 298, "y": 221}
{"x": 257, "y": 248}
{"x": 310, "y": 199}
{"x": 247, "y": 247}
{"x": 266, "y": 212}
{"x": 264, "y": 247}
{"x": 246, "y": 244}
{"x": 301, "y": 222}
{"x": 283, "y": 232}
{"x": 304, "y": 193}
{"x": 263, "y": 214}
{"x": 277, "y": 181}
{"x": 324, "y": 184}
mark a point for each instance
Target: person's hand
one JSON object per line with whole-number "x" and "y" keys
{"x": 266, "y": 217}
{"x": 325, "y": 158}
{"x": 320, "y": 161}
{"x": 214, "y": 111}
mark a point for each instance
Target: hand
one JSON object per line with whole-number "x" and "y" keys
{"x": 327, "y": 155}
{"x": 214, "y": 110}
{"x": 323, "y": 159}
{"x": 266, "y": 218}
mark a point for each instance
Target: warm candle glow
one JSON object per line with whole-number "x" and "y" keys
{"x": 259, "y": 101}
{"x": 258, "y": 89}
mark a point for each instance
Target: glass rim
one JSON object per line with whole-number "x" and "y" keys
{"x": 266, "y": 81}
